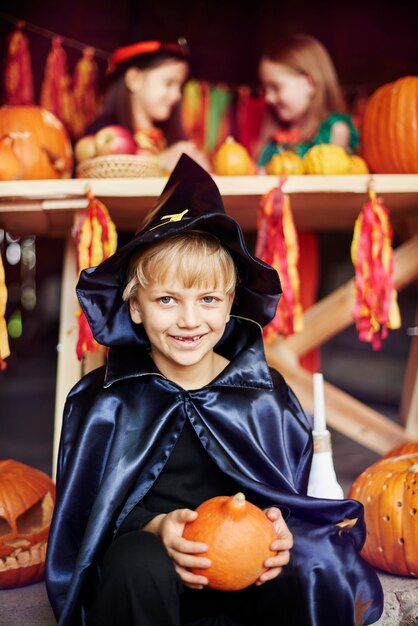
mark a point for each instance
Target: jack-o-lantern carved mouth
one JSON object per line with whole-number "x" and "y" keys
{"x": 24, "y": 556}
{"x": 23, "y": 543}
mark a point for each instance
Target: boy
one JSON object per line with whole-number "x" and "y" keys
{"x": 186, "y": 409}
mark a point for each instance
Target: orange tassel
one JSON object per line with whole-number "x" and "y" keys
{"x": 18, "y": 78}
{"x": 376, "y": 308}
{"x": 277, "y": 245}
{"x": 56, "y": 86}
{"x": 85, "y": 92}
{"x": 4, "y": 342}
{"x": 95, "y": 239}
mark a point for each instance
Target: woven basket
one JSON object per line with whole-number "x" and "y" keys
{"x": 120, "y": 166}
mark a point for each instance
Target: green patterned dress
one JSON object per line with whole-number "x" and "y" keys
{"x": 275, "y": 144}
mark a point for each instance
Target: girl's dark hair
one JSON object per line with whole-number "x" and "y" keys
{"x": 116, "y": 101}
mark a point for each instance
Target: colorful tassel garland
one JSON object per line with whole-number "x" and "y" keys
{"x": 18, "y": 77}
{"x": 56, "y": 94}
{"x": 376, "y": 308}
{"x": 95, "y": 239}
{"x": 85, "y": 92}
{"x": 4, "y": 342}
{"x": 277, "y": 245}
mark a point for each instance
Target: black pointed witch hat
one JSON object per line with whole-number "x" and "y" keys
{"x": 190, "y": 200}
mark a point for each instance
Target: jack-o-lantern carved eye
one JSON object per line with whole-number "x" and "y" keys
{"x": 37, "y": 517}
{"x": 27, "y": 498}
{"x": 5, "y": 528}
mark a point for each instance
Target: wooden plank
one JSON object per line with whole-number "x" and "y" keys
{"x": 334, "y": 312}
{"x": 344, "y": 413}
{"x": 318, "y": 202}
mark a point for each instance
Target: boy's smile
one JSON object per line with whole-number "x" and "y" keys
{"x": 183, "y": 326}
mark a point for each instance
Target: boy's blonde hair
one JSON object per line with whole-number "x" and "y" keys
{"x": 306, "y": 55}
{"x": 199, "y": 258}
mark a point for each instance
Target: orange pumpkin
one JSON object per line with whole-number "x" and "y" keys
{"x": 403, "y": 448}
{"x": 27, "y": 498}
{"x": 285, "y": 163}
{"x": 388, "y": 489}
{"x": 233, "y": 159}
{"x": 39, "y": 140}
{"x": 389, "y": 128}
{"x": 238, "y": 535}
{"x": 10, "y": 166}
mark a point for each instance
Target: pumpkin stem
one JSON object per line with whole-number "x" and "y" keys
{"x": 239, "y": 499}
{"x": 236, "y": 505}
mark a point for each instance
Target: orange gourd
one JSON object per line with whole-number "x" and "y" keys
{"x": 238, "y": 535}
{"x": 389, "y": 128}
{"x": 233, "y": 159}
{"x": 388, "y": 489}
{"x": 27, "y": 498}
{"x": 39, "y": 140}
{"x": 285, "y": 163}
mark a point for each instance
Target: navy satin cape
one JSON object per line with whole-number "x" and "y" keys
{"x": 120, "y": 425}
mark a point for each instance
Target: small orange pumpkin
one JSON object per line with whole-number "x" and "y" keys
{"x": 233, "y": 159}
{"x": 388, "y": 489}
{"x": 39, "y": 140}
{"x": 27, "y": 498}
{"x": 286, "y": 163}
{"x": 389, "y": 128}
{"x": 238, "y": 535}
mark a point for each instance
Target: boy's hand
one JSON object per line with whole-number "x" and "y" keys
{"x": 283, "y": 544}
{"x": 182, "y": 550}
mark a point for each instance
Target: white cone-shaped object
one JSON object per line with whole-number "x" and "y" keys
{"x": 323, "y": 481}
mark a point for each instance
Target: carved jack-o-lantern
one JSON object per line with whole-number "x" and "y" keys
{"x": 27, "y": 498}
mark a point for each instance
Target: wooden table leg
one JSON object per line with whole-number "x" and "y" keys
{"x": 344, "y": 413}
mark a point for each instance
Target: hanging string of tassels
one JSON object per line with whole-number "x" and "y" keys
{"x": 376, "y": 308}
{"x": 4, "y": 342}
{"x": 277, "y": 245}
{"x": 18, "y": 76}
{"x": 95, "y": 238}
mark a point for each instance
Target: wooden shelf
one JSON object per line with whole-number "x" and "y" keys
{"x": 46, "y": 207}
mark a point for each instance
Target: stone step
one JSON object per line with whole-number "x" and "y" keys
{"x": 29, "y": 606}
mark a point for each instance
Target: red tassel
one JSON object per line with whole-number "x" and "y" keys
{"x": 55, "y": 92}
{"x": 376, "y": 307}
{"x": 95, "y": 239}
{"x": 277, "y": 245}
{"x": 85, "y": 92}
{"x": 18, "y": 78}
{"x": 250, "y": 112}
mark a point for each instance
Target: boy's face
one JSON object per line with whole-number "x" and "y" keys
{"x": 182, "y": 324}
